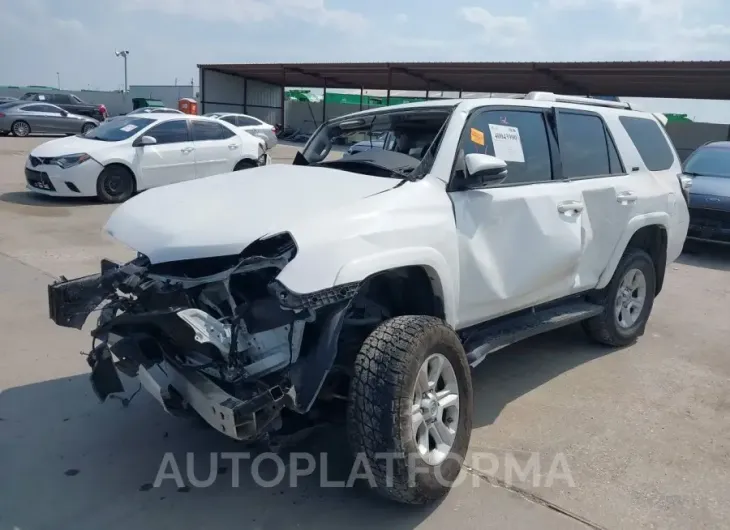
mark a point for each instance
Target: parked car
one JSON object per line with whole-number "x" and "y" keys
{"x": 69, "y": 103}
{"x": 7, "y": 99}
{"x": 148, "y": 110}
{"x": 249, "y": 124}
{"x": 135, "y": 153}
{"x": 140, "y": 103}
{"x": 23, "y": 118}
{"x": 708, "y": 167}
{"x": 154, "y": 110}
{"x": 363, "y": 288}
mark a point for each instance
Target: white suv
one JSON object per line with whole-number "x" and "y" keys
{"x": 366, "y": 286}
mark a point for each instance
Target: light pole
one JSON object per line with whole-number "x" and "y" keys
{"x": 58, "y": 76}
{"x": 123, "y": 54}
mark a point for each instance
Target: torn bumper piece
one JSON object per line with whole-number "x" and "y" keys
{"x": 180, "y": 392}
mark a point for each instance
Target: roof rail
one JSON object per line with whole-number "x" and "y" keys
{"x": 579, "y": 100}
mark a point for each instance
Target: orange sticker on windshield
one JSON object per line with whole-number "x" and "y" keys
{"x": 477, "y": 136}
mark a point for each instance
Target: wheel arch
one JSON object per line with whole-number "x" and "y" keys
{"x": 647, "y": 232}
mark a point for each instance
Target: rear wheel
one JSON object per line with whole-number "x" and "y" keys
{"x": 20, "y": 128}
{"x": 627, "y": 301}
{"x": 115, "y": 184}
{"x": 244, "y": 164}
{"x": 87, "y": 127}
{"x": 410, "y": 408}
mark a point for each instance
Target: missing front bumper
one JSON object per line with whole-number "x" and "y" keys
{"x": 181, "y": 392}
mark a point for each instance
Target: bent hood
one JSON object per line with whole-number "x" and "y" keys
{"x": 69, "y": 145}
{"x": 223, "y": 214}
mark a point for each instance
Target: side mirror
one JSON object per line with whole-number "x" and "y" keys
{"x": 64, "y": 113}
{"x": 484, "y": 169}
{"x": 144, "y": 140}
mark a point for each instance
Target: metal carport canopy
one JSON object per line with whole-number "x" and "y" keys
{"x": 664, "y": 79}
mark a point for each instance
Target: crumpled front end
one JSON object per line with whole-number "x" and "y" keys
{"x": 230, "y": 342}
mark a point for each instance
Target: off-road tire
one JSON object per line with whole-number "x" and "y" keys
{"x": 604, "y": 328}
{"x": 125, "y": 189}
{"x": 380, "y": 401}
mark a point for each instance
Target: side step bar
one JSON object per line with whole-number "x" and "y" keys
{"x": 495, "y": 336}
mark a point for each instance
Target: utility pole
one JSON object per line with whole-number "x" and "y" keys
{"x": 58, "y": 76}
{"x": 124, "y": 54}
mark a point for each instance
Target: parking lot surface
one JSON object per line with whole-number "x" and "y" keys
{"x": 600, "y": 438}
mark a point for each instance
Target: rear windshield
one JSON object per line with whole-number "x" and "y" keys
{"x": 710, "y": 161}
{"x": 118, "y": 129}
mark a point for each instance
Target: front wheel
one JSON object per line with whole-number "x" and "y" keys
{"x": 410, "y": 408}
{"x": 627, "y": 300}
{"x": 115, "y": 184}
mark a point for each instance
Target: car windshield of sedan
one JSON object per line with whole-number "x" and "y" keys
{"x": 118, "y": 129}
{"x": 407, "y": 139}
{"x": 710, "y": 161}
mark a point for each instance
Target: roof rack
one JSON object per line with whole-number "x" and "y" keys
{"x": 579, "y": 100}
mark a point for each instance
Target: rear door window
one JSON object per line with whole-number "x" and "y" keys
{"x": 586, "y": 148}
{"x": 210, "y": 130}
{"x": 649, "y": 141}
{"x": 519, "y": 137}
{"x": 245, "y": 121}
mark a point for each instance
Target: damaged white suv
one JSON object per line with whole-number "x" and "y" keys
{"x": 363, "y": 287}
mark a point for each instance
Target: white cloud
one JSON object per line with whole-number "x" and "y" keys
{"x": 498, "y": 30}
{"x": 243, "y": 11}
{"x": 708, "y": 32}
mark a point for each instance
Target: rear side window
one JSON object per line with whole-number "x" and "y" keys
{"x": 586, "y": 149}
{"x": 518, "y": 137}
{"x": 210, "y": 130}
{"x": 59, "y": 98}
{"x": 649, "y": 141}
{"x": 229, "y": 119}
{"x": 244, "y": 121}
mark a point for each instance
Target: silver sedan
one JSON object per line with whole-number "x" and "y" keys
{"x": 29, "y": 117}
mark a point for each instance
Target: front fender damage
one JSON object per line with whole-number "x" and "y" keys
{"x": 220, "y": 337}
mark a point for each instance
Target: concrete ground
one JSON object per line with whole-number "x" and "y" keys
{"x": 634, "y": 438}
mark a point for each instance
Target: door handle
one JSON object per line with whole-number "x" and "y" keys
{"x": 626, "y": 197}
{"x": 187, "y": 149}
{"x": 570, "y": 206}
{"x": 232, "y": 146}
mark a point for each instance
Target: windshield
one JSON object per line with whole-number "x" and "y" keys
{"x": 408, "y": 133}
{"x": 118, "y": 129}
{"x": 711, "y": 160}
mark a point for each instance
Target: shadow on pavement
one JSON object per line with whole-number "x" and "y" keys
{"x": 512, "y": 372}
{"x": 26, "y": 198}
{"x": 94, "y": 466}
{"x": 706, "y": 255}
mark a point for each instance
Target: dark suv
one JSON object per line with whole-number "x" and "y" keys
{"x": 69, "y": 103}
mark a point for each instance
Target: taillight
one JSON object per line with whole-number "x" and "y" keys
{"x": 2, "y": 115}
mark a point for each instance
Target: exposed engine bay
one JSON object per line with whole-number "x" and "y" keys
{"x": 235, "y": 344}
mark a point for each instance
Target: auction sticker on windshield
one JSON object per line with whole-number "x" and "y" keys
{"x": 477, "y": 136}
{"x": 507, "y": 143}
{"x": 128, "y": 128}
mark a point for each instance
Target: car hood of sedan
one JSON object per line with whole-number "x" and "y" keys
{"x": 69, "y": 145}
{"x": 221, "y": 215}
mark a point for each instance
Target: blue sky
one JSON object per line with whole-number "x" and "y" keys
{"x": 167, "y": 38}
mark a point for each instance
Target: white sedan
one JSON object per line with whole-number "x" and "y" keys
{"x": 251, "y": 125}
{"x": 134, "y": 153}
